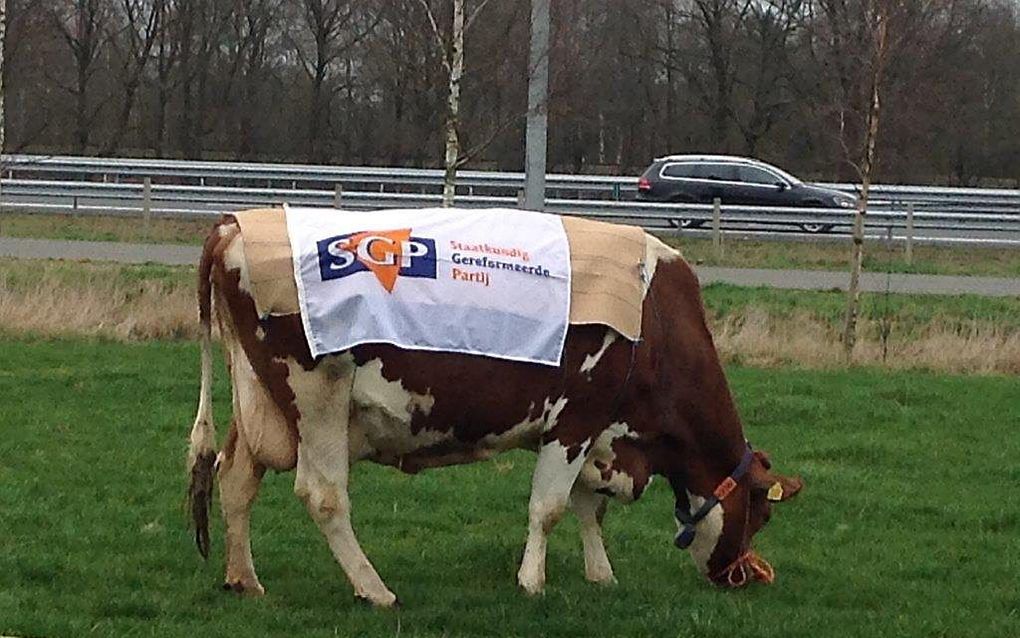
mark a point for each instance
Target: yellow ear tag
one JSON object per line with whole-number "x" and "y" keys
{"x": 775, "y": 492}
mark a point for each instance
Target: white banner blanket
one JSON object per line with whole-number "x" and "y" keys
{"x": 491, "y": 282}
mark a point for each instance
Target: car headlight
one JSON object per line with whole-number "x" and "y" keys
{"x": 844, "y": 202}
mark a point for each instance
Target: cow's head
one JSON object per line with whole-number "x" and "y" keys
{"x": 717, "y": 526}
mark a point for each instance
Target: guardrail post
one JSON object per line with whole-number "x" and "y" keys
{"x": 910, "y": 234}
{"x": 717, "y": 227}
{"x": 520, "y": 198}
{"x": 147, "y": 202}
{"x": 338, "y": 195}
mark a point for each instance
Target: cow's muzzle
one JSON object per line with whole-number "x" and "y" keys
{"x": 750, "y": 566}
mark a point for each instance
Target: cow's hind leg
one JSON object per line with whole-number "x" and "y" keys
{"x": 589, "y": 508}
{"x": 555, "y": 473}
{"x": 239, "y": 479}
{"x": 323, "y": 468}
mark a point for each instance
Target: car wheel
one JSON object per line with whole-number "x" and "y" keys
{"x": 816, "y": 228}
{"x": 685, "y": 222}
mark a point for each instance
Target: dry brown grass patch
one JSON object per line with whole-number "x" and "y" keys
{"x": 756, "y": 338}
{"x": 107, "y": 307}
{"x": 126, "y": 303}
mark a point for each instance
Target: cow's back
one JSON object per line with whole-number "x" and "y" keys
{"x": 417, "y": 409}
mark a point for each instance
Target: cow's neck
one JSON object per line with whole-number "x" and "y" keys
{"x": 713, "y": 447}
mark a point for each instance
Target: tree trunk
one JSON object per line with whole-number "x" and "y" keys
{"x": 315, "y": 154}
{"x": 857, "y": 252}
{"x": 81, "y": 126}
{"x": 453, "y": 105}
{"x": 3, "y": 39}
{"x": 160, "y": 126}
{"x": 123, "y": 119}
{"x": 186, "y": 73}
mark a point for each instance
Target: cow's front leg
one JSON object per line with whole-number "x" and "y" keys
{"x": 239, "y": 479}
{"x": 589, "y": 508}
{"x": 323, "y": 469}
{"x": 555, "y": 473}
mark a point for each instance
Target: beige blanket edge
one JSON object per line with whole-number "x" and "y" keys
{"x": 606, "y": 262}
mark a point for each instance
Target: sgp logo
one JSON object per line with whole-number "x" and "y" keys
{"x": 388, "y": 254}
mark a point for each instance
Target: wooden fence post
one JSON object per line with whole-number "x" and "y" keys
{"x": 910, "y": 233}
{"x": 147, "y": 203}
{"x": 717, "y": 227}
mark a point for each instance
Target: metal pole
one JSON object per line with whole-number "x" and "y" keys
{"x": 910, "y": 233}
{"x": 538, "y": 97}
{"x": 520, "y": 199}
{"x": 338, "y": 192}
{"x": 717, "y": 227}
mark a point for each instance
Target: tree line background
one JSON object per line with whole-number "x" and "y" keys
{"x": 363, "y": 82}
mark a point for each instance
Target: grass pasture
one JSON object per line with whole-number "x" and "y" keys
{"x": 908, "y": 524}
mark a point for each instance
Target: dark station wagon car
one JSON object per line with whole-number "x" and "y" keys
{"x": 698, "y": 179}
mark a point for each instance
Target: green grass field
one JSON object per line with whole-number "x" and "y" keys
{"x": 908, "y": 524}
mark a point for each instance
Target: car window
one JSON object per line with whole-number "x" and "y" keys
{"x": 753, "y": 175}
{"x": 678, "y": 170}
{"x": 725, "y": 172}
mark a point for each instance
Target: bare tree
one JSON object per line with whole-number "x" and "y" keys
{"x": 166, "y": 52}
{"x": 762, "y": 80}
{"x": 867, "y": 37}
{"x": 333, "y": 27}
{"x": 453, "y": 62}
{"x": 628, "y": 81}
{"x": 879, "y": 27}
{"x": 3, "y": 41}
{"x": 252, "y": 24}
{"x": 718, "y": 23}
{"x": 199, "y": 25}
{"x": 81, "y": 26}
{"x": 134, "y": 42}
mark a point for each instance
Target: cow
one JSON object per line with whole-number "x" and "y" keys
{"x": 614, "y": 414}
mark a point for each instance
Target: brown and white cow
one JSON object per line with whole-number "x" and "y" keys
{"x": 609, "y": 418}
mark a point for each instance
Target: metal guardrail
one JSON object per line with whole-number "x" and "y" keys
{"x": 118, "y": 186}
{"x": 242, "y": 174}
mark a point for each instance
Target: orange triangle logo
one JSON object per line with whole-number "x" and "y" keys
{"x": 382, "y": 253}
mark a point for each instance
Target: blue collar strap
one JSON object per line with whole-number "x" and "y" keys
{"x": 686, "y": 536}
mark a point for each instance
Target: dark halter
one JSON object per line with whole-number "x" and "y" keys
{"x": 690, "y": 521}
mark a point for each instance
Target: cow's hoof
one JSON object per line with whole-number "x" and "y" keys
{"x": 532, "y": 581}
{"x": 602, "y": 580}
{"x": 250, "y": 588}
{"x": 385, "y": 601}
{"x": 600, "y": 575}
{"x": 532, "y": 587}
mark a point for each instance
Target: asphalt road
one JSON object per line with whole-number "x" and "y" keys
{"x": 793, "y": 279}
{"x": 973, "y": 233}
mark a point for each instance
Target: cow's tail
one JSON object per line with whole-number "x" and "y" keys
{"x": 202, "y": 449}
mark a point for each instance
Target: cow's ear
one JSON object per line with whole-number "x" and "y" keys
{"x": 782, "y": 488}
{"x": 775, "y": 486}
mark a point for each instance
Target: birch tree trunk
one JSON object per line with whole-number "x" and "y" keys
{"x": 870, "y": 137}
{"x": 453, "y": 105}
{"x": 3, "y": 120}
